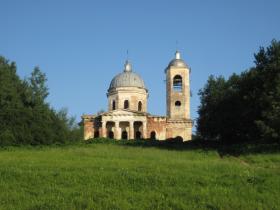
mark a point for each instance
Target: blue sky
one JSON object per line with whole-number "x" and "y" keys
{"x": 81, "y": 45}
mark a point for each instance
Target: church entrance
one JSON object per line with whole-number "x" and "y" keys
{"x": 111, "y": 134}
{"x": 137, "y": 135}
{"x": 178, "y": 139}
{"x": 109, "y": 129}
{"x": 124, "y": 135}
{"x": 138, "y": 129}
{"x": 153, "y": 135}
{"x": 96, "y": 134}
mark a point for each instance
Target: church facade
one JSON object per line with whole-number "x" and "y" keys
{"x": 127, "y": 116}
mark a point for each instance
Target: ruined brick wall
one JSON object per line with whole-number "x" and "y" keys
{"x": 88, "y": 123}
{"x": 179, "y": 128}
{"x": 158, "y": 125}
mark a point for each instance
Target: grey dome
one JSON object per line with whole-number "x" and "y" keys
{"x": 127, "y": 79}
{"x": 177, "y": 61}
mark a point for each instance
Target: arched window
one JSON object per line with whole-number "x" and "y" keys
{"x": 139, "y": 106}
{"x": 178, "y": 103}
{"x": 126, "y": 104}
{"x": 153, "y": 135}
{"x": 113, "y": 105}
{"x": 177, "y": 83}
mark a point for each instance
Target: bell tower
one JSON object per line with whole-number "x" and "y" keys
{"x": 178, "y": 89}
{"x": 179, "y": 123}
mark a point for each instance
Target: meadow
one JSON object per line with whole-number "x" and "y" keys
{"x": 132, "y": 176}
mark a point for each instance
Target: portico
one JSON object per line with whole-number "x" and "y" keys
{"x": 124, "y": 125}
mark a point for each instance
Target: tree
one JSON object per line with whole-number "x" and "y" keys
{"x": 245, "y": 107}
{"x": 25, "y": 116}
{"x": 268, "y": 65}
{"x": 11, "y": 105}
{"x": 37, "y": 82}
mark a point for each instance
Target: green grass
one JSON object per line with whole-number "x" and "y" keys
{"x": 127, "y": 176}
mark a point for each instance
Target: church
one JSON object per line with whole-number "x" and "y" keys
{"x": 127, "y": 116}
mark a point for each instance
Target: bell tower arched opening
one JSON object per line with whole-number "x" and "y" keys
{"x": 177, "y": 83}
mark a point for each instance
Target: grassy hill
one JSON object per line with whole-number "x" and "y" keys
{"x": 127, "y": 176}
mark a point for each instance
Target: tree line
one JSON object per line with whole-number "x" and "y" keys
{"x": 245, "y": 107}
{"x": 25, "y": 116}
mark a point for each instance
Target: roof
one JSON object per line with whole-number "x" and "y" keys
{"x": 177, "y": 62}
{"x": 127, "y": 78}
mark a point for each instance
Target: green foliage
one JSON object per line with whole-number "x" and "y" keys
{"x": 25, "y": 116}
{"x": 37, "y": 83}
{"x": 124, "y": 176}
{"x": 245, "y": 107}
{"x": 7, "y": 138}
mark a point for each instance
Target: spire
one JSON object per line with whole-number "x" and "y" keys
{"x": 177, "y": 55}
{"x": 127, "y": 66}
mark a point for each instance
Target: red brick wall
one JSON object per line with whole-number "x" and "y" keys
{"x": 157, "y": 124}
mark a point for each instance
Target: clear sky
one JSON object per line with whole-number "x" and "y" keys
{"x": 81, "y": 45}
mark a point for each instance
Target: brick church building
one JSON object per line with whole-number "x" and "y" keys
{"x": 127, "y": 116}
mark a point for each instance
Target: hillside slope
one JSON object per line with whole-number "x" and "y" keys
{"x": 107, "y": 176}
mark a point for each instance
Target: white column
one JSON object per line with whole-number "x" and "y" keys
{"x": 131, "y": 130}
{"x": 104, "y": 129}
{"x": 117, "y": 130}
{"x": 144, "y": 130}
